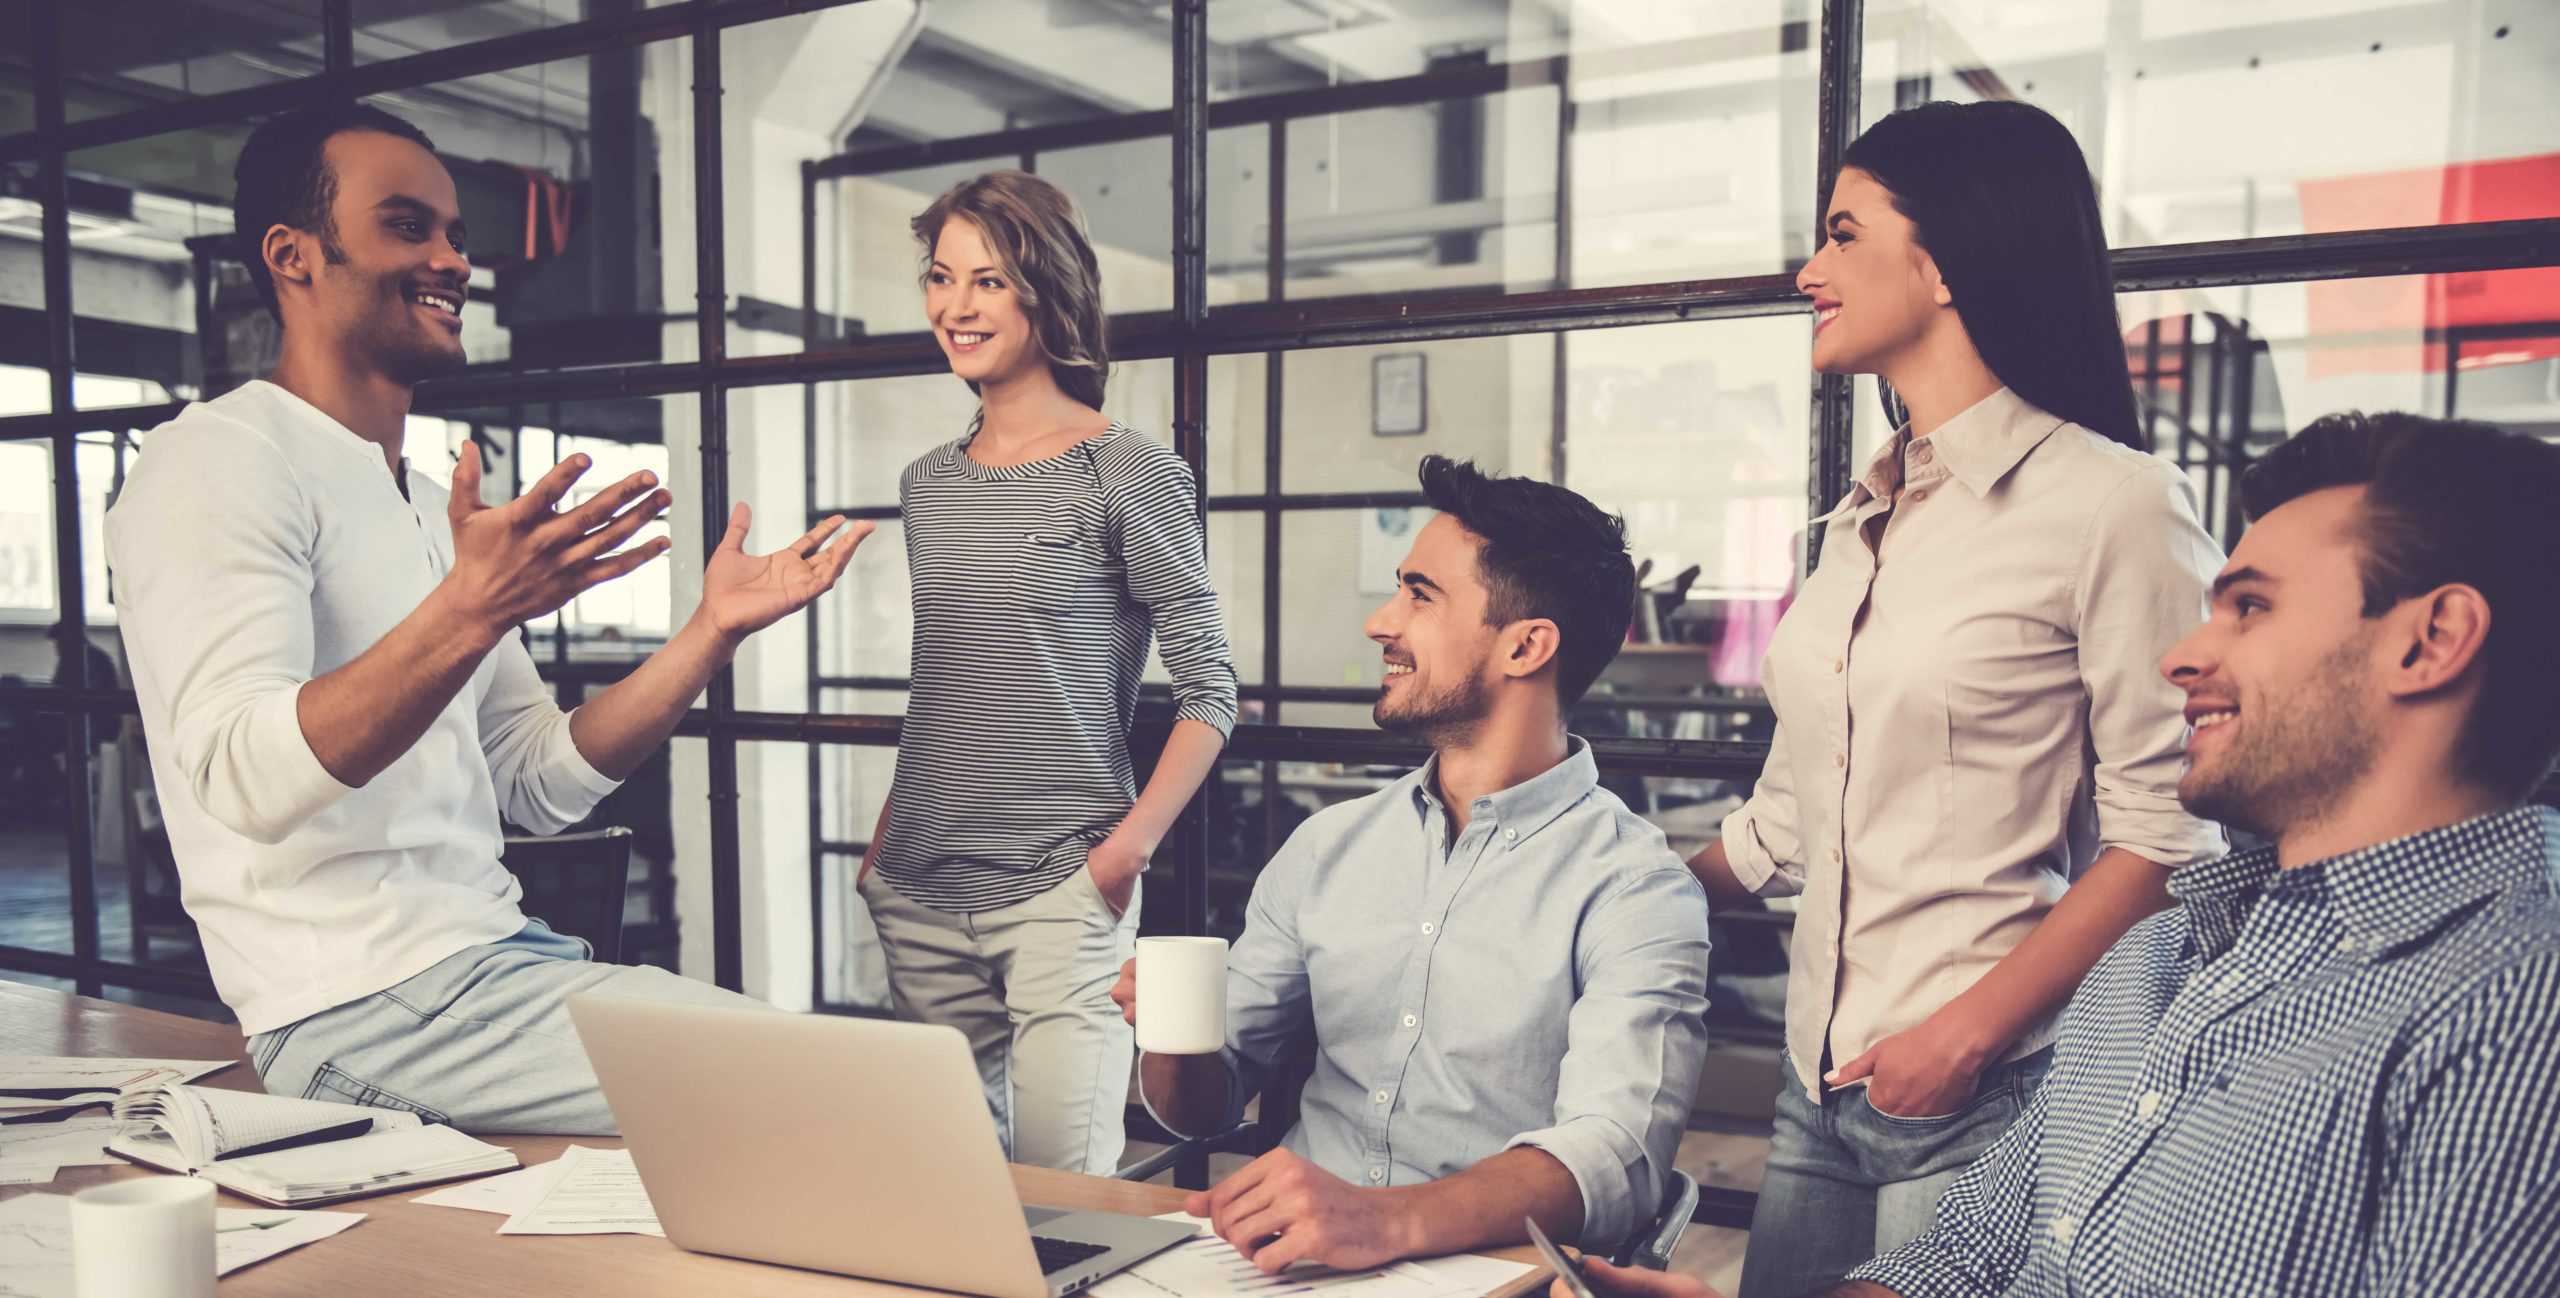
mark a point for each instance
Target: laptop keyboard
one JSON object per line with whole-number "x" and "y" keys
{"x": 1058, "y": 1254}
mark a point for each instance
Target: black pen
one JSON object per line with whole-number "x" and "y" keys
{"x": 321, "y": 1136}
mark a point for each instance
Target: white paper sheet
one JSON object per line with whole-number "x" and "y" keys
{"x": 97, "y": 1079}
{"x": 596, "y": 1192}
{"x": 72, "y": 1142}
{"x": 235, "y": 1247}
{"x": 1210, "y": 1266}
{"x": 505, "y": 1195}
{"x": 28, "y": 1173}
{"x": 21, "y": 1072}
{"x": 35, "y": 1241}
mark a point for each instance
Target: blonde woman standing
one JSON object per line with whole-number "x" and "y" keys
{"x": 1047, "y": 547}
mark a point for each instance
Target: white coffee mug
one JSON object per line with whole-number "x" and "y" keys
{"x": 151, "y": 1238}
{"x": 1182, "y": 995}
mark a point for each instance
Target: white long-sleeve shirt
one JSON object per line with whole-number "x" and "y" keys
{"x": 1970, "y": 709}
{"x": 257, "y": 544}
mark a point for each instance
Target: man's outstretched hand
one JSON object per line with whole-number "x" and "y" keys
{"x": 523, "y": 560}
{"x": 744, "y": 593}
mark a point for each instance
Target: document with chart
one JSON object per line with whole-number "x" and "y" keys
{"x": 1209, "y": 1266}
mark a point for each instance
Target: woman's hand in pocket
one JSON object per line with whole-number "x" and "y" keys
{"x": 1116, "y": 865}
{"x": 1928, "y": 1071}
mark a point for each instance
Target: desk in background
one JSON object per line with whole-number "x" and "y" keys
{"x": 402, "y": 1248}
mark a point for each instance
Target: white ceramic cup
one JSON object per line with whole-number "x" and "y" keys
{"x": 1182, "y": 995}
{"x": 151, "y": 1238}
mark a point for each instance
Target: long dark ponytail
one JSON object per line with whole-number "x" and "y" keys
{"x": 2004, "y": 203}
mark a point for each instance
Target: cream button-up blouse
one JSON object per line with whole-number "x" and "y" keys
{"x": 1969, "y": 710}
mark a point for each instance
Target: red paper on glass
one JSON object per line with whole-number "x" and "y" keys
{"x": 2406, "y": 316}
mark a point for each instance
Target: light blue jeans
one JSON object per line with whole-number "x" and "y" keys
{"x": 1848, "y": 1181}
{"x": 480, "y": 1040}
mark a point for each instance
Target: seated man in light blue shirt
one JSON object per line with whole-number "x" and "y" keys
{"x": 1503, "y": 969}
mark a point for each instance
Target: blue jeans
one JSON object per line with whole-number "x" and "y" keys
{"x": 1847, "y": 1181}
{"x": 480, "y": 1040}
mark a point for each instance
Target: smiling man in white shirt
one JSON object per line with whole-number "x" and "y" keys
{"x": 338, "y": 708}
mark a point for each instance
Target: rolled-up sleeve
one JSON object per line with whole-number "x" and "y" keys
{"x": 1635, "y": 1041}
{"x": 1268, "y": 1004}
{"x": 543, "y": 782}
{"x": 211, "y": 550}
{"x": 1154, "y": 518}
{"x": 1762, "y": 843}
{"x": 2142, "y": 586}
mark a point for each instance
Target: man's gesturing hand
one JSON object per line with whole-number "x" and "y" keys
{"x": 519, "y": 561}
{"x": 744, "y": 593}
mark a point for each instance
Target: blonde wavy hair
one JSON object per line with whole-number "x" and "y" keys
{"x": 1039, "y": 241}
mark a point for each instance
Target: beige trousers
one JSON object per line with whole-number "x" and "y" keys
{"x": 1030, "y": 986}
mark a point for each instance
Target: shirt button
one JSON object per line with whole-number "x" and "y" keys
{"x": 1381, "y": 1097}
{"x": 2148, "y": 1107}
{"x": 1839, "y": 665}
{"x": 1920, "y": 452}
{"x": 1511, "y": 836}
{"x": 1426, "y": 928}
{"x": 1840, "y": 761}
{"x": 2064, "y": 1228}
{"x": 1377, "y": 1174}
{"x": 1410, "y": 1020}
{"x": 1919, "y": 495}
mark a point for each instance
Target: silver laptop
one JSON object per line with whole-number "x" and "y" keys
{"x": 847, "y": 1145}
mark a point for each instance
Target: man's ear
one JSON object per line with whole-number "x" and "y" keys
{"x": 287, "y": 253}
{"x": 1528, "y": 646}
{"x": 2434, "y": 639}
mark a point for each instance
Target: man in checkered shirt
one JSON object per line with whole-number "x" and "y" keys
{"x": 2333, "y": 1066}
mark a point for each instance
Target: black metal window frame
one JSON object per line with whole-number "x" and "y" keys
{"x": 1188, "y": 334}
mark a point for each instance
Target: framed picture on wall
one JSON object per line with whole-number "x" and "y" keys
{"x": 1396, "y": 395}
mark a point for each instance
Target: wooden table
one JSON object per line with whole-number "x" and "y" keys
{"x": 403, "y": 1248}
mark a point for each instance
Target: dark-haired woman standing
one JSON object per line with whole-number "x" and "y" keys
{"x": 1973, "y": 782}
{"x": 1047, "y": 547}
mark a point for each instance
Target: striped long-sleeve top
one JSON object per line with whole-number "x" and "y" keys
{"x": 1038, "y": 588}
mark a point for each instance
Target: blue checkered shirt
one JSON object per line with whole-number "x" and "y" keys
{"x": 2338, "y": 1079}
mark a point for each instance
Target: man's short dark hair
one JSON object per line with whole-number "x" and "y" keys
{"x": 284, "y": 179}
{"x": 1545, "y": 552}
{"x": 2451, "y": 501}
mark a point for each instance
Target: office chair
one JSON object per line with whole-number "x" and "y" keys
{"x": 576, "y": 883}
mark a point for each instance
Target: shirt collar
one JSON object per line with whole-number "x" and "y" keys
{"x": 2391, "y": 892}
{"x": 1528, "y": 806}
{"x": 2404, "y": 889}
{"x": 2217, "y": 894}
{"x": 1980, "y": 445}
{"x": 313, "y": 417}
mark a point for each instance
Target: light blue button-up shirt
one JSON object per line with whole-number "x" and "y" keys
{"x": 1539, "y": 980}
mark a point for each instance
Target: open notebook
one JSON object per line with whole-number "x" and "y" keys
{"x": 293, "y": 1153}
